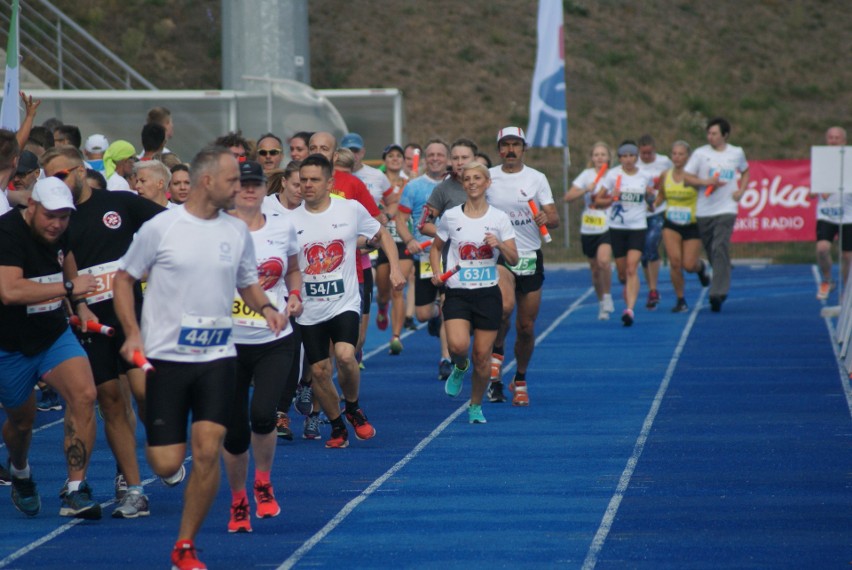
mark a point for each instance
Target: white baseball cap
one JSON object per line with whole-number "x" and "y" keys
{"x": 53, "y": 194}
{"x": 516, "y": 132}
{"x": 96, "y": 143}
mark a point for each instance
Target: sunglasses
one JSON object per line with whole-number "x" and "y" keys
{"x": 63, "y": 174}
{"x": 270, "y": 152}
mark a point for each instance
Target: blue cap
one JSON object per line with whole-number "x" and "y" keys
{"x": 352, "y": 140}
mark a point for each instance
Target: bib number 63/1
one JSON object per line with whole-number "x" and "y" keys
{"x": 477, "y": 273}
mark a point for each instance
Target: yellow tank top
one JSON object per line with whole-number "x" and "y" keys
{"x": 681, "y": 200}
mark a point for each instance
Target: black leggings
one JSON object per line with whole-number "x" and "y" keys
{"x": 298, "y": 369}
{"x": 263, "y": 364}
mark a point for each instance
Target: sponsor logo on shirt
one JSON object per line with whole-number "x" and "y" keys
{"x": 225, "y": 252}
{"x": 112, "y": 220}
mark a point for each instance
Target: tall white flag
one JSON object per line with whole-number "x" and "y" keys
{"x": 10, "y": 116}
{"x": 548, "y": 117}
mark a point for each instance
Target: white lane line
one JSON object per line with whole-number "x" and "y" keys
{"x": 624, "y": 481}
{"x": 351, "y": 505}
{"x": 845, "y": 381}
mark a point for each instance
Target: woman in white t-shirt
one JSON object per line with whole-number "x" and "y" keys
{"x": 261, "y": 355}
{"x": 625, "y": 194}
{"x": 594, "y": 231}
{"x": 477, "y": 234}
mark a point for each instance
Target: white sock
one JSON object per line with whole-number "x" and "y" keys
{"x": 20, "y": 473}
{"x": 74, "y": 486}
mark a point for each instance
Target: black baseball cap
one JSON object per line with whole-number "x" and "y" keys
{"x": 251, "y": 171}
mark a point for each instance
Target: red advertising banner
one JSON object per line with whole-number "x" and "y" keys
{"x": 776, "y": 205}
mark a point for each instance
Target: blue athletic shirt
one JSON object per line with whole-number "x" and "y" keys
{"x": 413, "y": 201}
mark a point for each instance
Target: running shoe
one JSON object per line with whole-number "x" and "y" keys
{"x": 25, "y": 496}
{"x": 175, "y": 480}
{"x": 312, "y": 427}
{"x": 627, "y": 317}
{"x": 133, "y": 504}
{"x": 409, "y": 324}
{"x": 653, "y": 299}
{"x": 496, "y": 367}
{"x": 264, "y": 500}
{"x": 474, "y": 414}
{"x": 79, "y": 503}
{"x": 495, "y": 392}
{"x": 716, "y": 304}
{"x": 445, "y": 368}
{"x": 703, "y": 275}
{"x": 49, "y": 400}
{"x": 823, "y": 291}
{"x": 521, "y": 397}
{"x": 454, "y": 382}
{"x": 304, "y": 400}
{"x": 382, "y": 319}
{"x": 120, "y": 486}
{"x": 395, "y": 346}
{"x": 240, "y": 517}
{"x": 434, "y": 326}
{"x": 184, "y": 557}
{"x": 680, "y": 306}
{"x": 339, "y": 438}
{"x": 607, "y": 303}
{"x": 363, "y": 429}
{"x": 5, "y": 477}
{"x": 603, "y": 314}
{"x": 282, "y": 426}
{"x": 359, "y": 356}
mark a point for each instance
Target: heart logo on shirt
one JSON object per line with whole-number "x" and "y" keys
{"x": 269, "y": 272}
{"x": 323, "y": 258}
{"x": 468, "y": 251}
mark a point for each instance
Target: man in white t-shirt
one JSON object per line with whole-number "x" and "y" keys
{"x": 652, "y": 164}
{"x": 373, "y": 178}
{"x": 194, "y": 257}
{"x": 327, "y": 232}
{"x": 119, "y": 159}
{"x": 721, "y": 169}
{"x": 829, "y": 224}
{"x": 513, "y": 186}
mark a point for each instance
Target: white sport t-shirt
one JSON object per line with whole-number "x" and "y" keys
{"x": 273, "y": 244}
{"x": 593, "y": 222}
{"x": 375, "y": 181}
{"x": 4, "y": 202}
{"x": 654, "y": 170}
{"x": 272, "y": 205}
{"x": 328, "y": 258}
{"x": 628, "y": 213}
{"x": 193, "y": 266}
{"x": 511, "y": 193}
{"x": 730, "y": 163}
{"x": 467, "y": 247}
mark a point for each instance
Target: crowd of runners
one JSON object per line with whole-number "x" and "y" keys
{"x": 103, "y": 246}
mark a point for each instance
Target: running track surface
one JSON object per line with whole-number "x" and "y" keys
{"x": 695, "y": 440}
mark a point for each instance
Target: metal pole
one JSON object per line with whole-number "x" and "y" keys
{"x": 59, "y": 52}
{"x": 268, "y": 104}
{"x": 565, "y": 161}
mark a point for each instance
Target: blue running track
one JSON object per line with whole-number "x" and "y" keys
{"x": 694, "y": 440}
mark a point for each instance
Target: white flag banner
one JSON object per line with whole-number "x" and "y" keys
{"x": 10, "y": 116}
{"x": 548, "y": 118}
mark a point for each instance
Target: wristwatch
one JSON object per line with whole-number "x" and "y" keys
{"x": 69, "y": 288}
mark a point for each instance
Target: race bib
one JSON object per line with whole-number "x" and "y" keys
{"x": 426, "y": 271}
{"x": 104, "y": 275}
{"x": 477, "y": 273}
{"x": 324, "y": 287}
{"x": 526, "y": 263}
{"x": 594, "y": 222}
{"x": 242, "y": 314}
{"x": 203, "y": 335}
{"x": 51, "y": 304}
{"x": 679, "y": 215}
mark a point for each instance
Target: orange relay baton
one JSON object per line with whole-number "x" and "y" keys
{"x": 545, "y": 235}
{"x": 91, "y": 326}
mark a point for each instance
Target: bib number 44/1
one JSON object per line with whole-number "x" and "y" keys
{"x": 203, "y": 335}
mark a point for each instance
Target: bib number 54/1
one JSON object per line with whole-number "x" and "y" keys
{"x": 324, "y": 287}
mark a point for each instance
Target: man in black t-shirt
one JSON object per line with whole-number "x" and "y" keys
{"x": 37, "y": 272}
{"x": 101, "y": 230}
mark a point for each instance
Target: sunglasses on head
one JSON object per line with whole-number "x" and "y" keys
{"x": 270, "y": 152}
